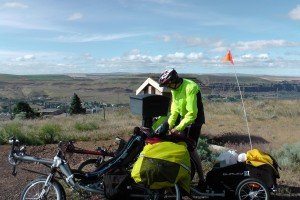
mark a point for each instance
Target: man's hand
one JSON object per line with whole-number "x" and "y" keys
{"x": 174, "y": 131}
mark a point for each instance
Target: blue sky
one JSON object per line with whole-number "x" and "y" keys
{"x": 193, "y": 36}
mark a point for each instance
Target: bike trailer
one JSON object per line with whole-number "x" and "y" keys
{"x": 258, "y": 165}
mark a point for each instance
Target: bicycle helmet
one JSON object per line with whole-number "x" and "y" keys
{"x": 167, "y": 77}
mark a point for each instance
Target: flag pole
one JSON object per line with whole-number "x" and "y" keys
{"x": 245, "y": 114}
{"x": 228, "y": 57}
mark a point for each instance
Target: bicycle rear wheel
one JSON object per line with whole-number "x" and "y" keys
{"x": 252, "y": 188}
{"x": 36, "y": 190}
{"x": 90, "y": 165}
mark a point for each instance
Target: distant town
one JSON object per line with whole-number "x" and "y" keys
{"x": 214, "y": 88}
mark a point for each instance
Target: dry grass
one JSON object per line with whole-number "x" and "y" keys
{"x": 277, "y": 122}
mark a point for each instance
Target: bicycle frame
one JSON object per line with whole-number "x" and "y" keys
{"x": 70, "y": 148}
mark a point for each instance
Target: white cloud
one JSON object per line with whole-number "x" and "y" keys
{"x": 177, "y": 55}
{"x": 195, "y": 62}
{"x": 194, "y": 41}
{"x": 195, "y": 56}
{"x": 261, "y": 44}
{"x": 264, "y": 56}
{"x": 79, "y": 38}
{"x": 247, "y": 57}
{"x": 133, "y": 52}
{"x": 165, "y": 38}
{"x": 75, "y": 16}
{"x": 220, "y": 49}
{"x": 25, "y": 58}
{"x": 218, "y": 45}
{"x": 14, "y": 5}
{"x": 294, "y": 14}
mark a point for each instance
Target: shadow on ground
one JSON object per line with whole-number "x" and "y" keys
{"x": 235, "y": 138}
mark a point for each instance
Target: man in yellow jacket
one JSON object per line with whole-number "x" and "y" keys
{"x": 187, "y": 113}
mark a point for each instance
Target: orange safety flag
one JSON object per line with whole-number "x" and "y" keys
{"x": 228, "y": 57}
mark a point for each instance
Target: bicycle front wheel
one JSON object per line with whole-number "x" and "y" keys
{"x": 36, "y": 190}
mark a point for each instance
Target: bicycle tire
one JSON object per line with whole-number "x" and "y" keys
{"x": 193, "y": 168}
{"x": 34, "y": 189}
{"x": 252, "y": 188}
{"x": 90, "y": 165}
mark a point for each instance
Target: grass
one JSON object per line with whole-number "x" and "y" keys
{"x": 268, "y": 119}
{"x": 75, "y": 127}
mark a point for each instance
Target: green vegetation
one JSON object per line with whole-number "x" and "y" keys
{"x": 288, "y": 156}
{"x": 16, "y": 128}
{"x": 24, "y": 109}
{"x": 47, "y": 77}
{"x": 50, "y": 133}
{"x": 76, "y": 106}
{"x": 86, "y": 126}
{"x": 76, "y": 127}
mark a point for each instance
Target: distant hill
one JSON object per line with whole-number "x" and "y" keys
{"x": 117, "y": 87}
{"x": 9, "y": 77}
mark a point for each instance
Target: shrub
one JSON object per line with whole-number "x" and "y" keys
{"x": 50, "y": 133}
{"x": 8, "y": 130}
{"x": 24, "y": 107}
{"x": 15, "y": 129}
{"x": 85, "y": 126}
{"x": 288, "y": 157}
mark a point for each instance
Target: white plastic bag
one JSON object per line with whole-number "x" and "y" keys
{"x": 227, "y": 158}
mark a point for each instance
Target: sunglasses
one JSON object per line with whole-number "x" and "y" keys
{"x": 171, "y": 85}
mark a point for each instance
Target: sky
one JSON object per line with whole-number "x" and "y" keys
{"x": 148, "y": 36}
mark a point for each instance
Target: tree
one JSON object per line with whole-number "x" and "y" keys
{"x": 76, "y": 107}
{"x": 23, "y": 108}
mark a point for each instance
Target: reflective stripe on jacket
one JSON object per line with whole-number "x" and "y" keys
{"x": 184, "y": 103}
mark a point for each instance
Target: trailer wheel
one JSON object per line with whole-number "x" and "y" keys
{"x": 252, "y": 189}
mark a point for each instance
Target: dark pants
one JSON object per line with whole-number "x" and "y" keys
{"x": 193, "y": 131}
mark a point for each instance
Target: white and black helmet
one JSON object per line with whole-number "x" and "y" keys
{"x": 167, "y": 77}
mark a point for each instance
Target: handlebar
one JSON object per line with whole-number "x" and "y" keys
{"x": 18, "y": 154}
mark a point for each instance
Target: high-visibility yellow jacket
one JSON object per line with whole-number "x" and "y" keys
{"x": 184, "y": 103}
